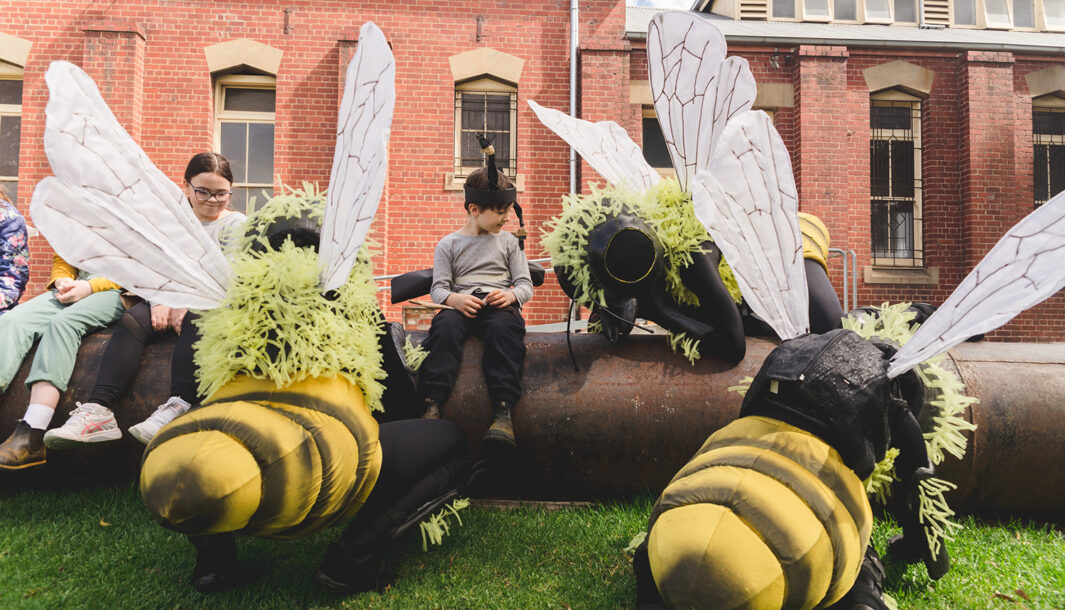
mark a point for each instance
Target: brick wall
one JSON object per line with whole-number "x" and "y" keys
{"x": 149, "y": 61}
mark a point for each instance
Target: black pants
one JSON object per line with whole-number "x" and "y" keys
{"x": 503, "y": 333}
{"x": 421, "y": 460}
{"x": 122, "y": 357}
{"x": 825, "y": 312}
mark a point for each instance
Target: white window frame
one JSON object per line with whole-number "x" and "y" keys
{"x": 1041, "y": 18}
{"x": 244, "y": 81}
{"x": 984, "y": 17}
{"x": 10, "y": 72}
{"x": 1035, "y": 17}
{"x": 857, "y": 16}
{"x": 917, "y": 259}
{"x": 863, "y": 13}
{"x": 916, "y": 14}
{"x": 485, "y": 85}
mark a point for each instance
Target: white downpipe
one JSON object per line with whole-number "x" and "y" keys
{"x": 574, "y": 35}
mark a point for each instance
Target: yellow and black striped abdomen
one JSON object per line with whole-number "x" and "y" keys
{"x": 764, "y": 516}
{"x": 263, "y": 461}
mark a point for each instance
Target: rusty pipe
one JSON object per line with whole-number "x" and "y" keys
{"x": 633, "y": 414}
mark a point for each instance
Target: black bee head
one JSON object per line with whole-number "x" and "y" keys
{"x": 304, "y": 231}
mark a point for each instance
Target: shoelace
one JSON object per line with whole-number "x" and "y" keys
{"x": 81, "y": 413}
{"x": 159, "y": 415}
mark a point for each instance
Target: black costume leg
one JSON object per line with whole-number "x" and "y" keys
{"x": 424, "y": 464}
{"x": 647, "y": 595}
{"x": 440, "y": 368}
{"x": 216, "y": 568}
{"x": 401, "y": 392}
{"x": 182, "y": 367}
{"x": 503, "y": 333}
{"x": 825, "y": 312}
{"x": 122, "y": 356}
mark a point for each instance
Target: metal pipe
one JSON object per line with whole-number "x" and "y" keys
{"x": 574, "y": 37}
{"x": 635, "y": 413}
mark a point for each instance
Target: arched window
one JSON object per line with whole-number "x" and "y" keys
{"x": 244, "y": 133}
{"x": 1048, "y": 139}
{"x": 10, "y": 126}
{"x": 490, "y": 107}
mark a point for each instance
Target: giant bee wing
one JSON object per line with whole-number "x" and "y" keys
{"x": 604, "y": 145}
{"x": 110, "y": 211}
{"x": 360, "y": 162}
{"x": 748, "y": 203}
{"x": 1023, "y": 269}
{"x": 695, "y": 89}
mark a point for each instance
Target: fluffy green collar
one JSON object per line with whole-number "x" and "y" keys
{"x": 275, "y": 324}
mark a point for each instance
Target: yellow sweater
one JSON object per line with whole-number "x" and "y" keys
{"x": 62, "y": 269}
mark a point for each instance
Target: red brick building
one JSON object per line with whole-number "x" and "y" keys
{"x": 261, "y": 83}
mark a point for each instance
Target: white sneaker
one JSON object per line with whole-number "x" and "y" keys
{"x": 147, "y": 429}
{"x": 88, "y": 423}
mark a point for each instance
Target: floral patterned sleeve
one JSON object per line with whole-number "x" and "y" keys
{"x": 14, "y": 256}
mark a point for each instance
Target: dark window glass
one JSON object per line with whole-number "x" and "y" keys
{"x": 11, "y": 92}
{"x": 260, "y": 152}
{"x": 235, "y": 148}
{"x": 654, "y": 144}
{"x": 1039, "y": 174}
{"x": 10, "y": 131}
{"x": 902, "y": 169}
{"x": 906, "y": 11}
{"x": 1048, "y": 123}
{"x": 1023, "y": 14}
{"x": 249, "y": 100}
{"x": 1056, "y": 169}
{"x": 880, "y": 168}
{"x": 892, "y": 228}
{"x": 784, "y": 9}
{"x": 845, "y": 10}
{"x": 891, "y": 117}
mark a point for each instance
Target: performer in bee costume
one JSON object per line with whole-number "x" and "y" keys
{"x": 635, "y": 248}
{"x": 285, "y": 444}
{"x": 771, "y": 512}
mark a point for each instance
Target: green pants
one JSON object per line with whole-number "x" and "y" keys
{"x": 60, "y": 329}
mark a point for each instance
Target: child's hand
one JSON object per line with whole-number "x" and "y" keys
{"x": 501, "y": 298}
{"x": 160, "y": 317}
{"x": 467, "y": 304}
{"x": 72, "y": 292}
{"x": 176, "y": 317}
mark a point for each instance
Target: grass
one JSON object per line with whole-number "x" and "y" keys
{"x": 95, "y": 547}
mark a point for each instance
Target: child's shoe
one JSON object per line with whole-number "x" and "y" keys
{"x": 501, "y": 432}
{"x": 88, "y": 423}
{"x": 432, "y": 409}
{"x": 166, "y": 413}
{"x": 23, "y": 449}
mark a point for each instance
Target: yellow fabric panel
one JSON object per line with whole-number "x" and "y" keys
{"x": 100, "y": 284}
{"x": 794, "y": 491}
{"x": 185, "y": 491}
{"x": 815, "y": 238}
{"x": 288, "y": 461}
{"x": 340, "y": 400}
{"x": 703, "y": 556}
{"x": 61, "y": 269}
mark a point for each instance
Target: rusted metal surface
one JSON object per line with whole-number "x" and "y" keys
{"x": 633, "y": 414}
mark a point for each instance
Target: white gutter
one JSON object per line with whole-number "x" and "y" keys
{"x": 574, "y": 36}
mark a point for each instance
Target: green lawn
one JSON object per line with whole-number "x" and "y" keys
{"x": 96, "y": 547}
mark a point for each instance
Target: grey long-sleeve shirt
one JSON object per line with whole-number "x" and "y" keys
{"x": 480, "y": 263}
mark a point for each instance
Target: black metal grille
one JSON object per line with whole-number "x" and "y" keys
{"x": 1048, "y": 135}
{"x": 491, "y": 113}
{"x": 895, "y": 183}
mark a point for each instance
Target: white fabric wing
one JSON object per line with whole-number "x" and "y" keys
{"x": 109, "y": 210}
{"x": 748, "y": 203}
{"x": 1023, "y": 269}
{"x": 604, "y": 145}
{"x": 694, "y": 88}
{"x": 360, "y": 162}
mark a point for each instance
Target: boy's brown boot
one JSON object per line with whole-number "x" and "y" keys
{"x": 432, "y": 409}
{"x": 502, "y": 429}
{"x": 23, "y": 449}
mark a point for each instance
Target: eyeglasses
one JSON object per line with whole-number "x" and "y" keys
{"x": 205, "y": 195}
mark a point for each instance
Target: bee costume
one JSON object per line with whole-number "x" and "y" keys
{"x": 771, "y": 512}
{"x": 639, "y": 247}
{"x": 285, "y": 444}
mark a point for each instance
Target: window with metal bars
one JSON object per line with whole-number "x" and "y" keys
{"x": 492, "y": 113}
{"x": 1048, "y": 135}
{"x": 895, "y": 181}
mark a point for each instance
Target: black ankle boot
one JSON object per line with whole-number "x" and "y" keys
{"x": 217, "y": 568}
{"x": 501, "y": 432}
{"x": 346, "y": 570}
{"x": 23, "y": 449}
